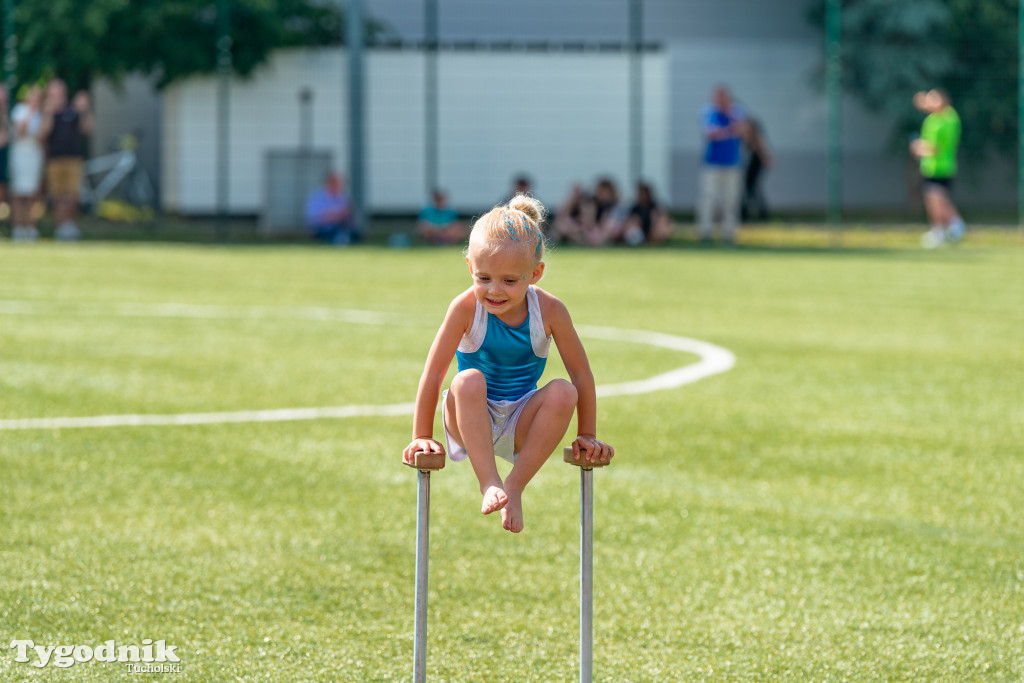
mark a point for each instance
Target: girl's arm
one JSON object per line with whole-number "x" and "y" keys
{"x": 574, "y": 357}
{"x": 456, "y": 324}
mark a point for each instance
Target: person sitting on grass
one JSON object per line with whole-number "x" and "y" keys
{"x": 647, "y": 223}
{"x": 590, "y": 220}
{"x": 500, "y": 331}
{"x": 329, "y": 215}
{"x": 438, "y": 223}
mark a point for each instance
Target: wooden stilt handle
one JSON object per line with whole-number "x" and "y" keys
{"x": 567, "y": 456}
{"x": 428, "y": 461}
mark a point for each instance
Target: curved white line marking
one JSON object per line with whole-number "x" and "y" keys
{"x": 713, "y": 360}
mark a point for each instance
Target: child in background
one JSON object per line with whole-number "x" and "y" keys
{"x": 500, "y": 330}
{"x": 27, "y": 161}
{"x": 937, "y": 149}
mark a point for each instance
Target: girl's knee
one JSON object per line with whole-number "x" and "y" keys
{"x": 469, "y": 382}
{"x": 563, "y": 393}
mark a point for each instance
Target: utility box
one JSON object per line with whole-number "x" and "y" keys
{"x": 291, "y": 175}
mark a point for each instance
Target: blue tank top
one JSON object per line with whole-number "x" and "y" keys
{"x": 512, "y": 359}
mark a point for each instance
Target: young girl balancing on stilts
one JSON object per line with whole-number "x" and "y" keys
{"x": 500, "y": 330}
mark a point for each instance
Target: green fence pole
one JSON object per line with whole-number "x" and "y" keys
{"x": 636, "y": 92}
{"x": 224, "y": 68}
{"x": 1020, "y": 117}
{"x": 356, "y": 110}
{"x": 430, "y": 127}
{"x": 10, "y": 49}
{"x": 833, "y": 97}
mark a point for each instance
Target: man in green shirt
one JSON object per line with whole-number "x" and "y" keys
{"x": 937, "y": 147}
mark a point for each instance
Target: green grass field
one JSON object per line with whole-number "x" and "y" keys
{"x": 843, "y": 505}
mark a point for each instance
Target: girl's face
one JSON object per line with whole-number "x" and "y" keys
{"x": 501, "y": 279}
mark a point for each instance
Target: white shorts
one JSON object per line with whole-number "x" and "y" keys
{"x": 504, "y": 416}
{"x": 26, "y": 166}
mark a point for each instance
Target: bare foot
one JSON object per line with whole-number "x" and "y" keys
{"x": 512, "y": 513}
{"x": 494, "y": 499}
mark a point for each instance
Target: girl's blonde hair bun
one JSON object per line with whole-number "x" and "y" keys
{"x": 531, "y": 206}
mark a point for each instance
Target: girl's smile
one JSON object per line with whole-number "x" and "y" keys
{"x": 501, "y": 280}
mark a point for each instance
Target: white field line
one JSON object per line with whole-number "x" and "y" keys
{"x": 278, "y": 415}
{"x": 210, "y": 312}
{"x": 713, "y": 360}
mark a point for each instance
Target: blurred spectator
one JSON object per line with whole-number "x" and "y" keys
{"x": 521, "y": 184}
{"x": 438, "y": 223}
{"x": 609, "y": 214}
{"x": 723, "y": 125}
{"x": 759, "y": 159}
{"x": 329, "y": 212}
{"x": 572, "y": 214}
{"x": 937, "y": 148}
{"x": 590, "y": 220}
{"x": 63, "y": 128}
{"x": 647, "y": 223}
{"x": 5, "y": 138}
{"x": 27, "y": 160}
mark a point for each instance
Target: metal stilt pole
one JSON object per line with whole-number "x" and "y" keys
{"x": 586, "y": 574}
{"x": 424, "y": 463}
{"x": 419, "y": 647}
{"x": 586, "y": 563}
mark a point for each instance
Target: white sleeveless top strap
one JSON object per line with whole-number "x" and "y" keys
{"x": 474, "y": 339}
{"x": 541, "y": 342}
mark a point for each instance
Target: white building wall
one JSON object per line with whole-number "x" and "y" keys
{"x": 560, "y": 117}
{"x": 395, "y": 131}
{"x": 189, "y": 163}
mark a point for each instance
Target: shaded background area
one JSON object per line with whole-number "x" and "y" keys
{"x": 466, "y": 95}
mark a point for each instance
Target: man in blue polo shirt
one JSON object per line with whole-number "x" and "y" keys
{"x": 723, "y": 125}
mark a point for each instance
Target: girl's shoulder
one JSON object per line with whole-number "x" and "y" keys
{"x": 551, "y": 307}
{"x": 544, "y": 296}
{"x": 465, "y": 301}
{"x": 462, "y": 309}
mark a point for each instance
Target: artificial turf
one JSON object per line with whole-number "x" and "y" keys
{"x": 842, "y": 505}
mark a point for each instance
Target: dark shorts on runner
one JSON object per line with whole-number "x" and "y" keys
{"x": 945, "y": 184}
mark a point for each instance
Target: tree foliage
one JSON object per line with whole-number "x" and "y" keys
{"x": 169, "y": 39}
{"x": 893, "y": 48}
